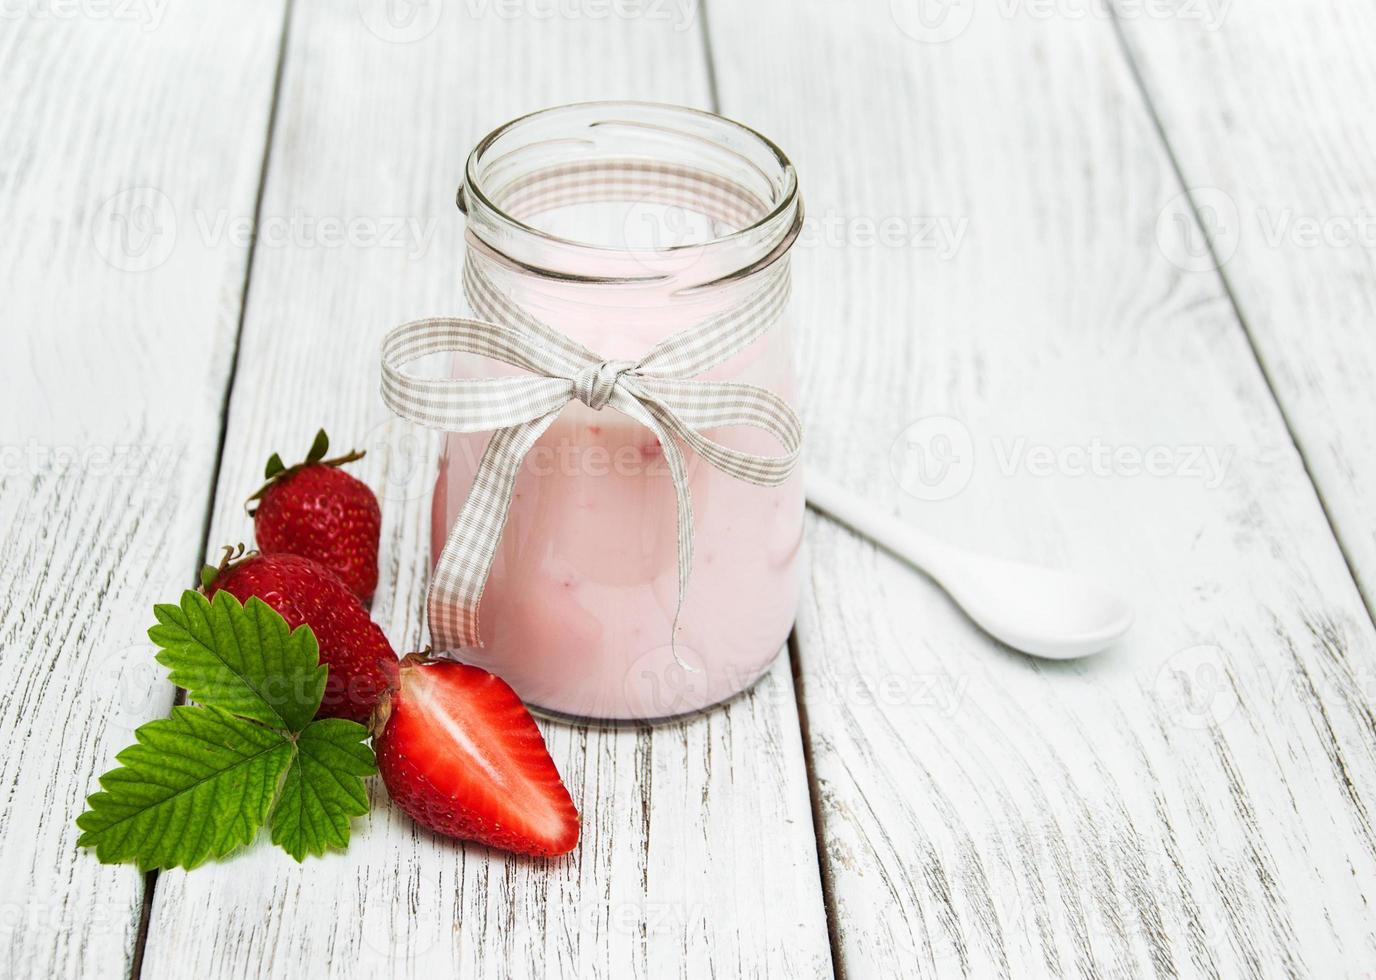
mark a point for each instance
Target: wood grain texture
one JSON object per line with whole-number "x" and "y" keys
{"x": 1048, "y": 385}
{"x": 118, "y": 322}
{"x": 1266, "y": 108}
{"x": 698, "y": 856}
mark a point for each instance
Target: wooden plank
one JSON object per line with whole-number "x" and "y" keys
{"x": 1047, "y": 385}
{"x": 1267, "y": 118}
{"x": 119, "y": 321}
{"x": 698, "y": 856}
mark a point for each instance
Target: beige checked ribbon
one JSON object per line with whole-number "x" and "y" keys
{"x": 658, "y": 391}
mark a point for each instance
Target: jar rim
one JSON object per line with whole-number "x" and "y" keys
{"x": 768, "y": 229}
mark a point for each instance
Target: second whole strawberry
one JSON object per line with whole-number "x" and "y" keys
{"x": 363, "y": 665}
{"x": 317, "y": 510}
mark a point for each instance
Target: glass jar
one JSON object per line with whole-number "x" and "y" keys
{"x": 621, "y": 224}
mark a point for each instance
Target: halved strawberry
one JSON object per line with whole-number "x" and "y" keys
{"x": 460, "y": 754}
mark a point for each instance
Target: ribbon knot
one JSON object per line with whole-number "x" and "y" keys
{"x": 593, "y": 386}
{"x": 660, "y": 391}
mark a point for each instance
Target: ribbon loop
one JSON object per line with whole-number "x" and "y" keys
{"x": 660, "y": 392}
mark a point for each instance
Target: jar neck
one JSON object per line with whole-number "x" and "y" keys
{"x": 630, "y": 193}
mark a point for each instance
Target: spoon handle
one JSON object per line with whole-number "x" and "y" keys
{"x": 907, "y": 542}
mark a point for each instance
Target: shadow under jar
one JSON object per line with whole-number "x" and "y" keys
{"x": 621, "y": 224}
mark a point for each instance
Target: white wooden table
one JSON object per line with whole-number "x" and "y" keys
{"x": 1093, "y": 290}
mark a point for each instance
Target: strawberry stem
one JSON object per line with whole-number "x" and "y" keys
{"x": 233, "y": 555}
{"x": 377, "y": 720}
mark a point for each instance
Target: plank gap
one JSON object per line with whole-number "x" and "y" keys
{"x": 814, "y": 792}
{"x": 179, "y": 694}
{"x": 710, "y": 60}
{"x": 150, "y": 881}
{"x": 1159, "y": 126}
{"x": 794, "y": 661}
{"x": 282, "y": 40}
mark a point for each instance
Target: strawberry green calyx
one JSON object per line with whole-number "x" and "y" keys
{"x": 276, "y": 471}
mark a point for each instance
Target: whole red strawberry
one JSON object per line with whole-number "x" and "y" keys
{"x": 363, "y": 665}
{"x": 316, "y": 510}
{"x": 460, "y": 753}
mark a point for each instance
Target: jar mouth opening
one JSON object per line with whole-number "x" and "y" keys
{"x": 723, "y": 195}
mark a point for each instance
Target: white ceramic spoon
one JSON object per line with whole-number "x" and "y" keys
{"x": 1036, "y": 610}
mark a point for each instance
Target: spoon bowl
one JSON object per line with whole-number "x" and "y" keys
{"x": 1037, "y": 610}
{"x": 1040, "y": 611}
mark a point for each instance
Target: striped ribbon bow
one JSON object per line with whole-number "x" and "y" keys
{"x": 658, "y": 391}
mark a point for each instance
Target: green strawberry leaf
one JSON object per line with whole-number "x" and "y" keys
{"x": 201, "y": 783}
{"x": 243, "y": 660}
{"x": 193, "y": 786}
{"x": 323, "y": 788}
{"x": 275, "y": 466}
{"x": 319, "y": 447}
